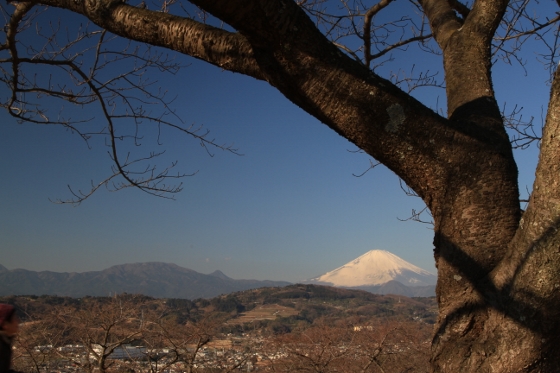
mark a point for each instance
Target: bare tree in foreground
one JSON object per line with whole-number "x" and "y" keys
{"x": 498, "y": 266}
{"x": 84, "y": 336}
{"x": 382, "y": 346}
{"x": 124, "y": 334}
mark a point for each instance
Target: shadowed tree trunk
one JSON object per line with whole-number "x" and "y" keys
{"x": 498, "y": 268}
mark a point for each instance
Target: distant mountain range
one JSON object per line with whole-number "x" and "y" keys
{"x": 160, "y": 280}
{"x": 380, "y": 272}
{"x": 377, "y": 271}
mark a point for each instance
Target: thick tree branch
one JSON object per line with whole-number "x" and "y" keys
{"x": 443, "y": 20}
{"x": 466, "y": 50}
{"x": 216, "y": 46}
{"x": 543, "y": 210}
{"x": 484, "y": 18}
{"x": 288, "y": 51}
{"x": 280, "y": 44}
{"x": 309, "y": 70}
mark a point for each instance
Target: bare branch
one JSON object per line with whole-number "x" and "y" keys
{"x": 524, "y": 132}
{"x": 443, "y": 20}
{"x": 400, "y": 44}
{"x": 367, "y": 28}
{"x": 372, "y": 165}
{"x": 416, "y": 215}
{"x": 123, "y": 96}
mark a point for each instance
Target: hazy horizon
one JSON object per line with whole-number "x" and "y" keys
{"x": 194, "y": 269}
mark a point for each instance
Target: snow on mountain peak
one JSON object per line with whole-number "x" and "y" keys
{"x": 377, "y": 267}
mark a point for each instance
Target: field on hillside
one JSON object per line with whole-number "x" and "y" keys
{"x": 263, "y": 312}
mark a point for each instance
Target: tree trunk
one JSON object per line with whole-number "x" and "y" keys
{"x": 495, "y": 314}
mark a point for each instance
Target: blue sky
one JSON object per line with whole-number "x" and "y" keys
{"x": 288, "y": 209}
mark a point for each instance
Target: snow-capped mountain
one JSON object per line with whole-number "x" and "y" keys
{"x": 376, "y": 267}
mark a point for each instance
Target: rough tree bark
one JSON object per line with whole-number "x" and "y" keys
{"x": 498, "y": 268}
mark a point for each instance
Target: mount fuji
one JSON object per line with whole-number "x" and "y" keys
{"x": 380, "y": 271}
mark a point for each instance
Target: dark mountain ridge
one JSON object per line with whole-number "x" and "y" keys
{"x": 156, "y": 279}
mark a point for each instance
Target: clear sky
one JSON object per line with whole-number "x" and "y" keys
{"x": 288, "y": 209}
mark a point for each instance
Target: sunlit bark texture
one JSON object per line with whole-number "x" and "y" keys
{"x": 498, "y": 267}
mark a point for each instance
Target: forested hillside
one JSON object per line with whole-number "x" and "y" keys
{"x": 265, "y": 329}
{"x": 306, "y": 302}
